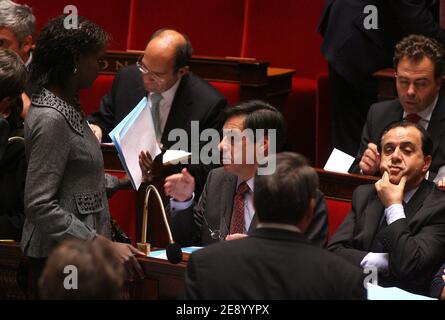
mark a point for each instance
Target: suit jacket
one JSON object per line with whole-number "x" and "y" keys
{"x": 355, "y": 52}
{"x": 384, "y": 113}
{"x": 189, "y": 226}
{"x": 271, "y": 264}
{"x": 65, "y": 192}
{"x": 415, "y": 244}
{"x": 195, "y": 100}
{"x": 12, "y": 185}
{"x": 438, "y": 284}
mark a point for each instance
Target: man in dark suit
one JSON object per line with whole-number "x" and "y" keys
{"x": 419, "y": 65}
{"x": 398, "y": 225}
{"x": 276, "y": 261}
{"x": 225, "y": 209}
{"x": 359, "y": 37}
{"x": 175, "y": 95}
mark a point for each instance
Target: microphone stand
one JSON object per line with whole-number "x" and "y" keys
{"x": 173, "y": 250}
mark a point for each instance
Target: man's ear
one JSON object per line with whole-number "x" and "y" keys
{"x": 427, "y": 164}
{"x": 28, "y": 44}
{"x": 183, "y": 71}
{"x": 307, "y": 218}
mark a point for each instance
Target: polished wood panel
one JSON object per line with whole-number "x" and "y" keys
{"x": 256, "y": 80}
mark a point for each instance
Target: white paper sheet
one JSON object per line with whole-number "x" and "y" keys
{"x": 376, "y": 292}
{"x": 339, "y": 162}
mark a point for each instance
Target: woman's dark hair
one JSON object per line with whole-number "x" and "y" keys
{"x": 58, "y": 47}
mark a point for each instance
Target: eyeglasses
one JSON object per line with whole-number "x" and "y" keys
{"x": 145, "y": 71}
{"x": 217, "y": 234}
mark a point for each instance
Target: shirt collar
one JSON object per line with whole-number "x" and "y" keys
{"x": 169, "y": 94}
{"x": 426, "y": 114}
{"x": 281, "y": 226}
{"x": 249, "y": 182}
{"x": 409, "y": 194}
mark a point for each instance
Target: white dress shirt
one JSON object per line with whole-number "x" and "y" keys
{"x": 392, "y": 213}
{"x": 249, "y": 210}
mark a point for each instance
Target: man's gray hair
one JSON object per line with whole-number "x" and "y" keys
{"x": 19, "y": 18}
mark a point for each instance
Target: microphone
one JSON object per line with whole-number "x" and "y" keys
{"x": 173, "y": 250}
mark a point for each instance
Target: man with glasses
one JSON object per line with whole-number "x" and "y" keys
{"x": 175, "y": 96}
{"x": 419, "y": 64}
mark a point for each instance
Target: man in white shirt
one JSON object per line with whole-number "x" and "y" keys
{"x": 225, "y": 209}
{"x": 397, "y": 225}
{"x": 419, "y": 63}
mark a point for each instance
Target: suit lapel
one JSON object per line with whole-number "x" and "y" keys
{"x": 228, "y": 194}
{"x": 180, "y": 111}
{"x": 373, "y": 215}
{"x": 436, "y": 128}
{"x": 417, "y": 200}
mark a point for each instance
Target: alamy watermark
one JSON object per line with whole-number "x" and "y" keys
{"x": 236, "y": 147}
{"x": 71, "y": 281}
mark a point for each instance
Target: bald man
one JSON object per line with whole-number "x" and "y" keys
{"x": 163, "y": 69}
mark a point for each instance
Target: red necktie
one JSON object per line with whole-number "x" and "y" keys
{"x": 413, "y": 118}
{"x": 237, "y": 221}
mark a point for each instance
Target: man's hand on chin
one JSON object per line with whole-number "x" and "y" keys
{"x": 388, "y": 192}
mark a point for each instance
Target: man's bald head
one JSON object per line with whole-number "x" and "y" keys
{"x": 173, "y": 42}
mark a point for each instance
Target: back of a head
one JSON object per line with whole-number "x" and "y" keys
{"x": 284, "y": 196}
{"x": 19, "y": 18}
{"x": 260, "y": 115}
{"x": 78, "y": 270}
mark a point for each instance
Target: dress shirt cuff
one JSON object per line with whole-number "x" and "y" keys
{"x": 394, "y": 212}
{"x": 378, "y": 260}
{"x": 181, "y": 205}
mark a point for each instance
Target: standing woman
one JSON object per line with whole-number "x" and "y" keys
{"x": 65, "y": 191}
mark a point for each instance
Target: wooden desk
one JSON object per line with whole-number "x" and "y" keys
{"x": 340, "y": 186}
{"x": 163, "y": 279}
{"x": 256, "y": 79}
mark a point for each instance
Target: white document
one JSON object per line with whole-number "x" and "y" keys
{"x": 376, "y": 292}
{"x": 339, "y": 162}
{"x": 174, "y": 156}
{"x": 135, "y": 133}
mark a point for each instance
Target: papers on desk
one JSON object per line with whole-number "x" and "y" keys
{"x": 339, "y": 162}
{"x": 133, "y": 134}
{"x": 379, "y": 293}
{"x": 162, "y": 254}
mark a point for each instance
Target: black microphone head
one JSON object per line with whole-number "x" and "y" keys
{"x": 174, "y": 253}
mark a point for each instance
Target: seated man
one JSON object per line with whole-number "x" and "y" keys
{"x": 397, "y": 225}
{"x": 276, "y": 261}
{"x": 225, "y": 209}
{"x": 175, "y": 95}
{"x": 419, "y": 63}
{"x": 13, "y": 77}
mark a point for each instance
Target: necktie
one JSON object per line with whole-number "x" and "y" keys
{"x": 237, "y": 221}
{"x": 155, "y": 100}
{"x": 413, "y": 118}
